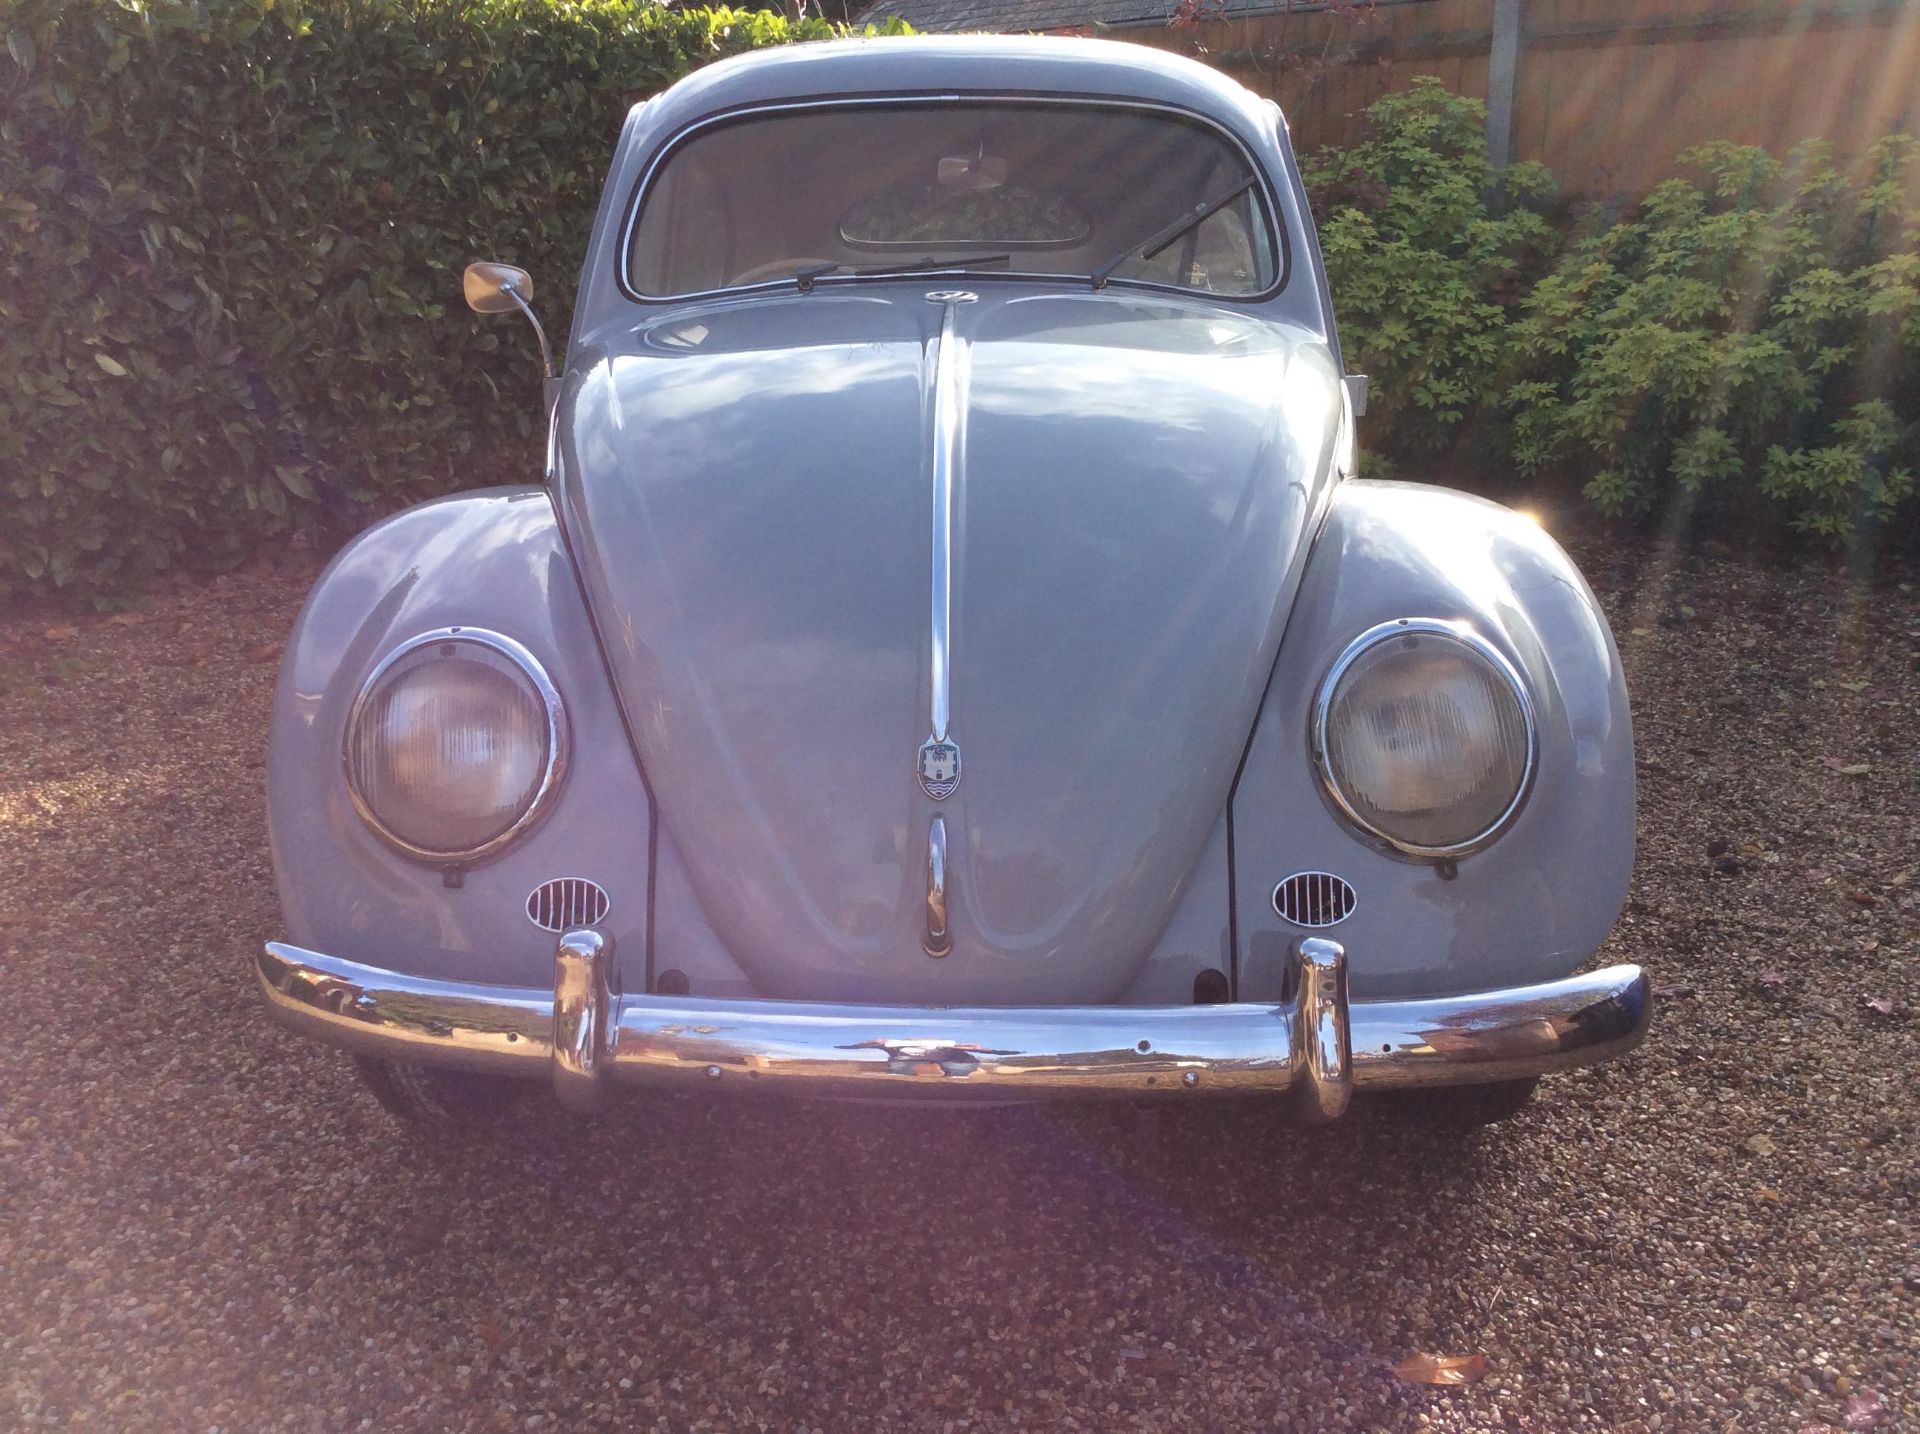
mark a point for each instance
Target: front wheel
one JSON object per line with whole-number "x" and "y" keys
{"x": 437, "y": 1099}
{"x": 1460, "y": 1107}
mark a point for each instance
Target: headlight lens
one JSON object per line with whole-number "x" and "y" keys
{"x": 1425, "y": 737}
{"x": 454, "y": 743}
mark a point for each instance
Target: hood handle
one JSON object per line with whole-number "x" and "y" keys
{"x": 939, "y": 938}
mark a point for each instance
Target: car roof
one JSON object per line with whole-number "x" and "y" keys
{"x": 957, "y": 64}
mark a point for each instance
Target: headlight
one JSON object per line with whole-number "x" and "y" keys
{"x": 1424, "y": 736}
{"x": 455, "y": 744}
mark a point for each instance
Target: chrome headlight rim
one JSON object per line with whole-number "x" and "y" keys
{"x": 1480, "y": 647}
{"x": 559, "y": 742}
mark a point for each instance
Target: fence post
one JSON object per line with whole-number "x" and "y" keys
{"x": 1502, "y": 60}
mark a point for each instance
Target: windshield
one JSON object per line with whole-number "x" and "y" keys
{"x": 834, "y": 194}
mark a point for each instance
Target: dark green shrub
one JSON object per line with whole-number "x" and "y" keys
{"x": 1426, "y": 269}
{"x": 1749, "y": 337}
{"x": 231, "y": 233}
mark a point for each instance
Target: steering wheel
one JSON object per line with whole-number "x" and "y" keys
{"x": 776, "y": 269}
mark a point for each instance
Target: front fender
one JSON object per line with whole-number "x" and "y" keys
{"x": 491, "y": 559}
{"x": 1540, "y": 899}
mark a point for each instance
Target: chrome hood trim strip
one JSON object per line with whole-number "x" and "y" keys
{"x": 949, "y": 398}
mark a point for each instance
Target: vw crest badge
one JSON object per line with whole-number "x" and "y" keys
{"x": 939, "y": 768}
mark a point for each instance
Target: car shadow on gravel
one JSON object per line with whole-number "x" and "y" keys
{"x": 1200, "y": 1191}
{"x": 1247, "y": 1154}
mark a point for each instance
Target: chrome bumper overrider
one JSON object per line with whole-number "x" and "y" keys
{"x": 1321, "y": 1047}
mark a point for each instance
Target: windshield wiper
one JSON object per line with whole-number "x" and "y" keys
{"x": 1153, "y": 244}
{"x": 805, "y": 277}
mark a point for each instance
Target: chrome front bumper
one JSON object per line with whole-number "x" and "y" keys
{"x": 1320, "y": 1047}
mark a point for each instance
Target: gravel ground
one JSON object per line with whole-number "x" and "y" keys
{"x": 204, "y": 1223}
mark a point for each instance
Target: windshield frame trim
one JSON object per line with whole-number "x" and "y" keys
{"x": 1278, "y": 235}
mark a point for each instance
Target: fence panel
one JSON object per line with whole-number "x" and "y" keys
{"x": 1608, "y": 92}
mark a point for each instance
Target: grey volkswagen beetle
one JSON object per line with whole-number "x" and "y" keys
{"x": 949, "y": 656}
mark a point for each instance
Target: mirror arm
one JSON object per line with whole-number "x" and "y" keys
{"x": 546, "y": 350}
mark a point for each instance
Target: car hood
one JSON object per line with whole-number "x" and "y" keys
{"x": 750, "y": 490}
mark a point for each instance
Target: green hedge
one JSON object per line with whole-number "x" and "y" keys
{"x": 1745, "y": 341}
{"x": 231, "y": 235}
{"x": 1751, "y": 340}
{"x": 1426, "y": 273}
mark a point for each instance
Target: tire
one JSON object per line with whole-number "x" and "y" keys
{"x": 436, "y": 1099}
{"x": 1461, "y": 1107}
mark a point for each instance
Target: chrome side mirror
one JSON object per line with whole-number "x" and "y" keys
{"x": 496, "y": 288}
{"x": 500, "y": 288}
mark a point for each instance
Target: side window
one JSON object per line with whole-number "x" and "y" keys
{"x": 687, "y": 245}
{"x": 1225, "y": 258}
{"x": 1227, "y": 254}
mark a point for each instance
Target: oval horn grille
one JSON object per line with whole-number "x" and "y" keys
{"x": 567, "y": 902}
{"x": 1313, "y": 898}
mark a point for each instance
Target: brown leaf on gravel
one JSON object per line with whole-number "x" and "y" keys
{"x": 61, "y": 632}
{"x": 264, "y": 652}
{"x": 1761, "y": 1144}
{"x": 1879, "y": 1005}
{"x": 1445, "y": 1370}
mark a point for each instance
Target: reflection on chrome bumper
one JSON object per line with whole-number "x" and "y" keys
{"x": 1320, "y": 1046}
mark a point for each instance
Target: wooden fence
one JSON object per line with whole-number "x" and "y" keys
{"x": 1607, "y": 92}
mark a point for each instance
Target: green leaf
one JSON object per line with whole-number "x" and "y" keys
{"x": 295, "y": 480}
